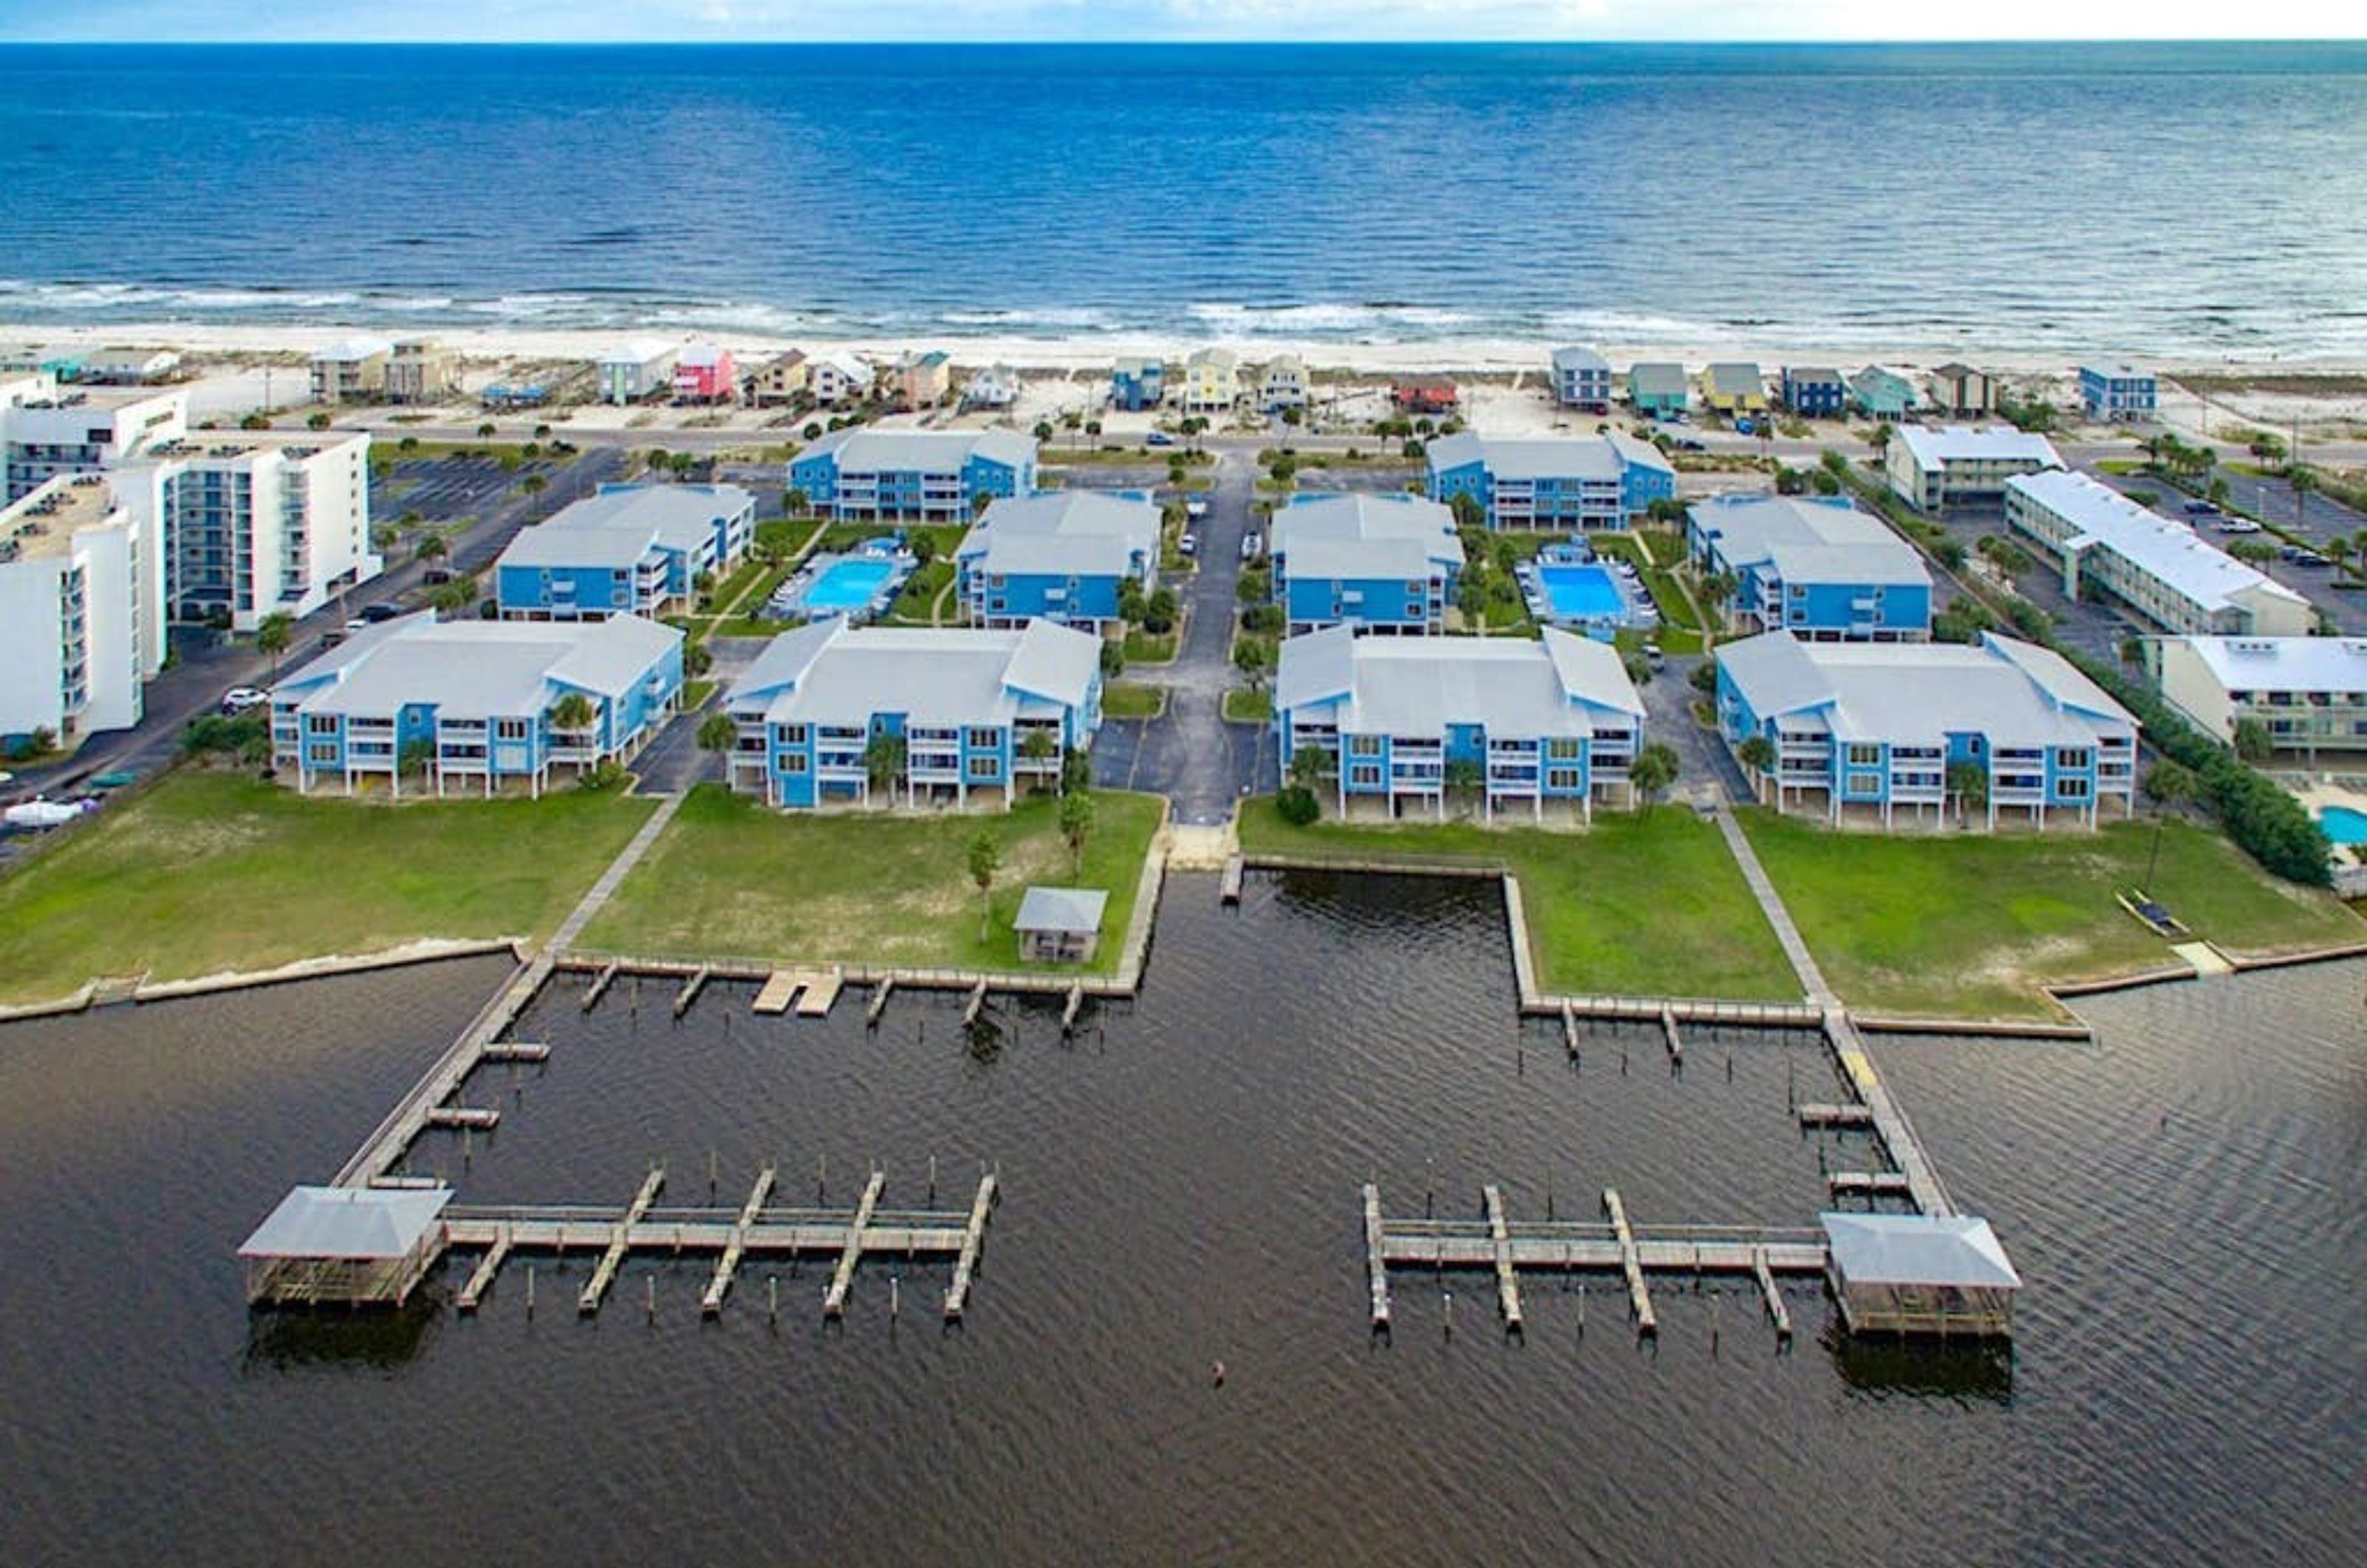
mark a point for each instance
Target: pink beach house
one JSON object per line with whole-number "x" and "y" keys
{"x": 704, "y": 374}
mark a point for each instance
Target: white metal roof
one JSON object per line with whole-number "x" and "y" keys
{"x": 353, "y": 350}
{"x": 830, "y": 672}
{"x": 700, "y": 356}
{"x": 2334, "y": 664}
{"x": 348, "y": 1222}
{"x": 1534, "y": 458}
{"x": 637, "y": 351}
{"x": 1932, "y": 446}
{"x": 1065, "y": 910}
{"x": 2168, "y": 551}
{"x": 1360, "y": 535}
{"x": 1421, "y": 685}
{"x": 471, "y": 668}
{"x": 1578, "y": 359}
{"x": 1808, "y": 541}
{"x": 1917, "y": 1249}
{"x": 1919, "y": 694}
{"x": 902, "y": 451}
{"x": 1080, "y": 532}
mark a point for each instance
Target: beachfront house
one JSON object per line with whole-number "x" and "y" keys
{"x": 924, "y": 476}
{"x": 1956, "y": 465}
{"x": 922, "y": 380}
{"x": 781, "y": 380}
{"x": 2118, "y": 393}
{"x": 831, "y": 712}
{"x": 705, "y": 374}
{"x": 1283, "y": 384}
{"x": 1559, "y": 483}
{"x": 1386, "y": 563}
{"x": 127, "y": 366}
{"x": 1734, "y": 387}
{"x": 259, "y": 523}
{"x": 1062, "y": 556}
{"x": 2308, "y": 693}
{"x": 470, "y": 703}
{"x": 42, "y": 436}
{"x": 834, "y": 378}
{"x": 1211, "y": 381}
{"x": 634, "y": 371}
{"x": 2157, "y": 567}
{"x": 1862, "y": 731}
{"x": 352, "y": 371}
{"x": 1581, "y": 379}
{"x": 1426, "y": 395}
{"x": 1959, "y": 391}
{"x": 82, "y": 611}
{"x": 422, "y": 371}
{"x": 1659, "y": 388}
{"x": 996, "y": 386}
{"x": 1400, "y": 722}
{"x": 1815, "y": 391}
{"x": 624, "y": 550}
{"x": 1814, "y": 566}
{"x": 1880, "y": 395}
{"x": 1137, "y": 384}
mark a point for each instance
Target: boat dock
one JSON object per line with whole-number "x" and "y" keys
{"x": 517, "y": 1051}
{"x": 1834, "y": 1116}
{"x": 1230, "y": 893}
{"x": 1070, "y": 1008}
{"x": 878, "y": 1002}
{"x": 814, "y": 990}
{"x": 1505, "y": 1246}
{"x": 834, "y": 1300}
{"x": 754, "y": 1229}
{"x": 1917, "y": 1178}
{"x": 690, "y": 990}
{"x": 599, "y": 987}
{"x": 482, "y": 1118}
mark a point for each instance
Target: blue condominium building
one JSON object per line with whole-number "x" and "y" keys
{"x": 1385, "y": 563}
{"x": 1057, "y": 557}
{"x": 471, "y": 703}
{"x": 1563, "y": 484}
{"x": 954, "y": 715}
{"x": 624, "y": 550}
{"x": 1818, "y": 567}
{"x": 1862, "y": 730}
{"x": 1581, "y": 379}
{"x": 2118, "y": 393}
{"x": 922, "y": 476}
{"x": 1534, "y": 726}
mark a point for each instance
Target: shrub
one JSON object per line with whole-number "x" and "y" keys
{"x": 1296, "y": 804}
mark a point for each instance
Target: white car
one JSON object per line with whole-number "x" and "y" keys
{"x": 1189, "y": 544}
{"x": 239, "y": 699}
{"x": 2235, "y": 526}
{"x": 1250, "y": 545}
{"x": 1196, "y": 509}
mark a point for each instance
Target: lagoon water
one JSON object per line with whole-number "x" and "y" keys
{"x": 2186, "y": 1199}
{"x": 2164, "y": 201}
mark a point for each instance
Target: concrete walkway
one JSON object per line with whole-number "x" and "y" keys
{"x": 605, "y": 887}
{"x": 1803, "y": 963}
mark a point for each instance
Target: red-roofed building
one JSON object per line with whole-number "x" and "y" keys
{"x": 1437, "y": 396}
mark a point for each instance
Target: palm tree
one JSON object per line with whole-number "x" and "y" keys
{"x": 1076, "y": 824}
{"x": 1038, "y": 748}
{"x": 1654, "y": 769}
{"x": 272, "y": 636}
{"x": 884, "y": 762}
{"x": 2304, "y": 480}
{"x": 985, "y": 858}
{"x": 1465, "y": 778}
{"x": 434, "y": 547}
{"x": 1969, "y": 783}
{"x": 1757, "y": 753}
{"x": 572, "y": 715}
{"x": 716, "y": 733}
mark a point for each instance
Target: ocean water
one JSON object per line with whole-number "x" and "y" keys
{"x": 2186, "y": 201}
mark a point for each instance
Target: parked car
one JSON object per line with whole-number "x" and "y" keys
{"x": 1189, "y": 544}
{"x": 2200, "y": 509}
{"x": 2309, "y": 559}
{"x": 2235, "y": 526}
{"x": 374, "y": 613}
{"x": 242, "y": 699}
{"x": 1195, "y": 510}
{"x": 1250, "y": 545}
{"x": 1158, "y": 438}
{"x": 1689, "y": 444}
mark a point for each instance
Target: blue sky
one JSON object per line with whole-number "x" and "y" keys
{"x": 1115, "y": 20}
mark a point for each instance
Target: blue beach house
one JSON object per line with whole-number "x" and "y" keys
{"x": 922, "y": 476}
{"x": 624, "y": 550}
{"x": 1815, "y": 567}
{"x": 959, "y": 707}
{"x": 2118, "y": 393}
{"x": 1815, "y": 391}
{"x": 1137, "y": 384}
{"x": 1581, "y": 379}
{"x": 471, "y": 703}
{"x": 1057, "y": 557}
{"x": 1385, "y": 563}
{"x": 1549, "y": 726}
{"x": 1563, "y": 484}
{"x": 1880, "y": 394}
{"x": 1659, "y": 388}
{"x": 1861, "y": 730}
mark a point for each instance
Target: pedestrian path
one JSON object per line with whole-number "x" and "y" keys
{"x": 1803, "y": 963}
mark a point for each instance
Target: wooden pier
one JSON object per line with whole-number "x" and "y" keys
{"x": 599, "y": 987}
{"x": 482, "y": 1118}
{"x": 973, "y": 1237}
{"x": 721, "y": 1286}
{"x": 818, "y": 993}
{"x": 517, "y": 1051}
{"x": 1504, "y": 1246}
{"x": 834, "y": 1300}
{"x": 1070, "y": 1008}
{"x": 1668, "y": 1031}
{"x": 779, "y": 987}
{"x": 488, "y": 1266}
{"x": 690, "y": 990}
{"x": 1870, "y": 1184}
{"x": 620, "y": 1242}
{"x": 1230, "y": 893}
{"x": 878, "y": 1002}
{"x": 1835, "y": 1116}
{"x": 1569, "y": 1028}
{"x": 976, "y": 1004}
{"x": 1920, "y": 1179}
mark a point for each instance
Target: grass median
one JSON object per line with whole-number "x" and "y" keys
{"x": 1971, "y": 925}
{"x": 731, "y": 877}
{"x": 1639, "y": 905}
{"x": 209, "y": 871}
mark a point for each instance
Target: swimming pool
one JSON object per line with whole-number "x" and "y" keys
{"x": 2343, "y": 825}
{"x": 1582, "y": 593}
{"x": 848, "y": 583}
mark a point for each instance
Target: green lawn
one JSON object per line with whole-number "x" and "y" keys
{"x": 1131, "y": 699}
{"x": 1146, "y": 648}
{"x": 1648, "y": 905}
{"x": 1248, "y": 707}
{"x": 732, "y": 879}
{"x": 1970, "y": 925}
{"x": 211, "y": 871}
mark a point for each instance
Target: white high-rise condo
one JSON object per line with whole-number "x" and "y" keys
{"x": 82, "y": 620}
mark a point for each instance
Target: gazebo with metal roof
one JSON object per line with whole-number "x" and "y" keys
{"x": 1060, "y": 925}
{"x": 1919, "y": 1274}
{"x": 352, "y": 1246}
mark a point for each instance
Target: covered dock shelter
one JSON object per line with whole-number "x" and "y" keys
{"x": 1060, "y": 925}
{"x": 1919, "y": 1274}
{"x": 347, "y": 1245}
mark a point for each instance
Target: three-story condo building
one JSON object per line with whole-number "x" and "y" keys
{"x": 474, "y": 705}
{"x": 1384, "y": 563}
{"x": 1581, "y": 379}
{"x": 1561, "y": 483}
{"x": 257, "y": 523}
{"x": 1400, "y": 722}
{"x": 918, "y": 475}
{"x": 1815, "y": 567}
{"x": 1957, "y": 465}
{"x": 630, "y": 549}
{"x": 1059, "y": 557}
{"x": 2118, "y": 393}
{"x": 936, "y": 716}
{"x": 82, "y": 611}
{"x": 2308, "y": 693}
{"x": 1815, "y": 391}
{"x": 2159, "y": 567}
{"x": 1862, "y": 730}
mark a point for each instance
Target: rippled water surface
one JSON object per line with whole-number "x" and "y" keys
{"x": 1180, "y": 1187}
